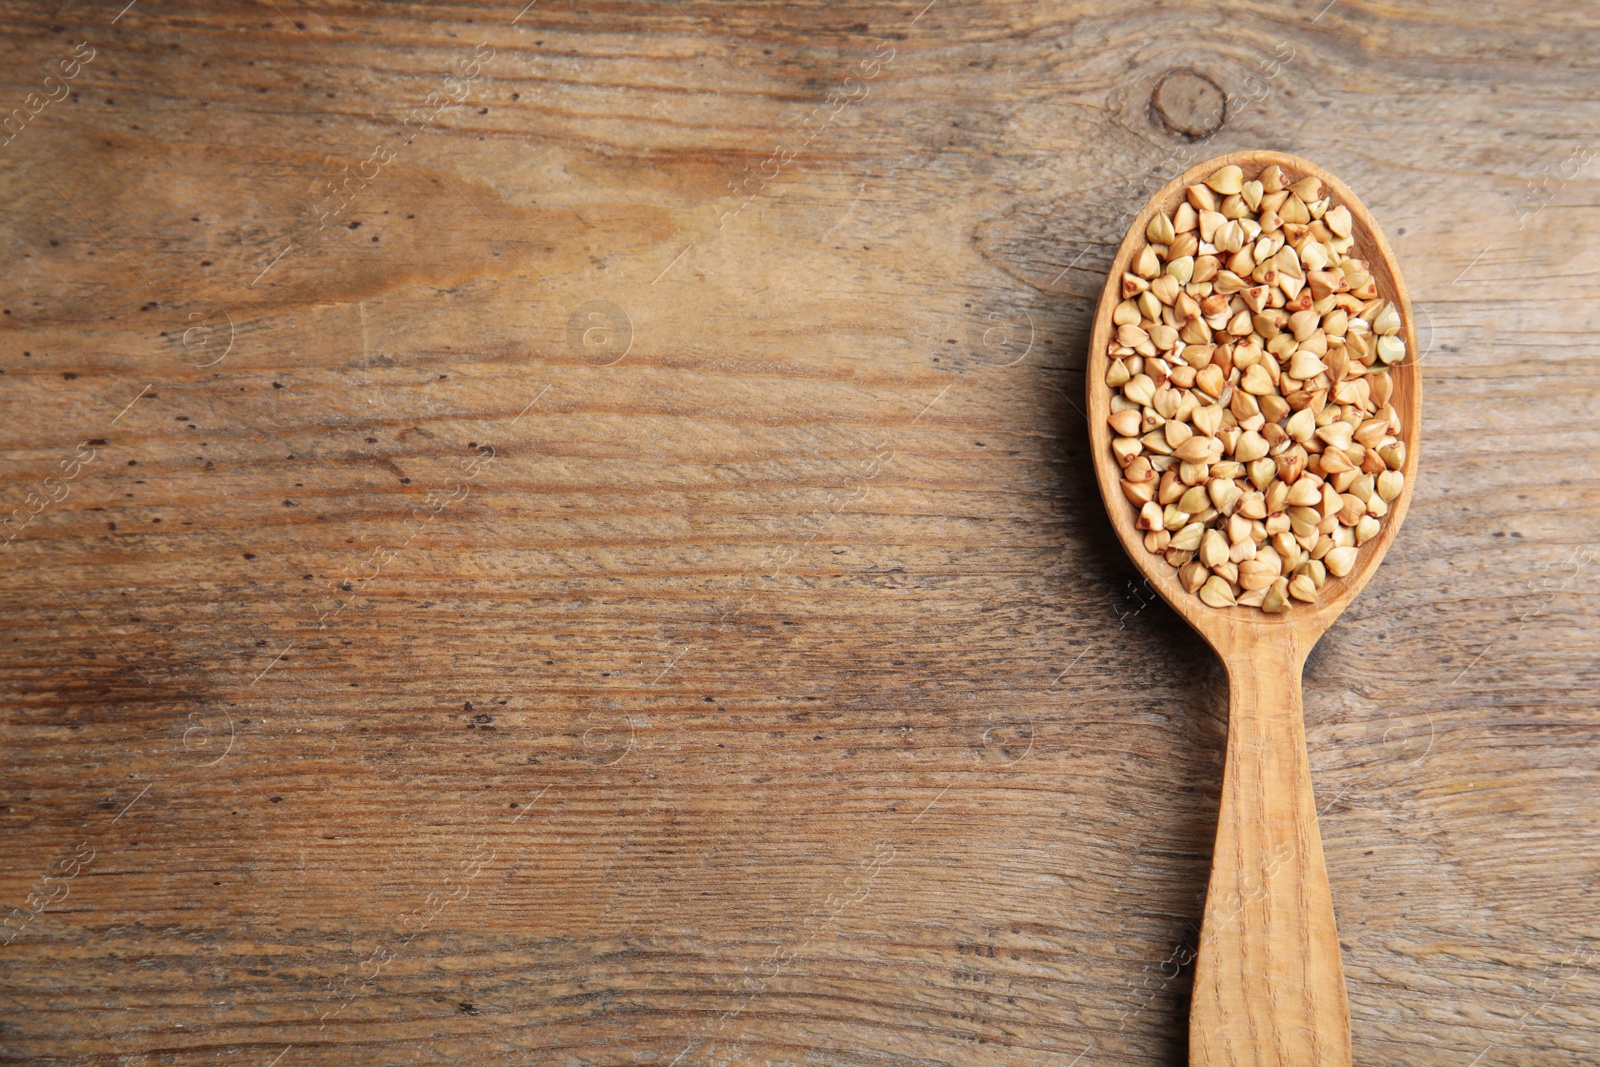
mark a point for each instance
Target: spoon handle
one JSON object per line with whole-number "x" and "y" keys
{"x": 1269, "y": 985}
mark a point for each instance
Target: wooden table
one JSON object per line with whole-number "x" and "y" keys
{"x": 565, "y": 536}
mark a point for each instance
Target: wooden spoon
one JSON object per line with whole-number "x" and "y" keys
{"x": 1268, "y": 985}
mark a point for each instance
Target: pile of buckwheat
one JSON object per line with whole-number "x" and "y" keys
{"x": 1250, "y": 388}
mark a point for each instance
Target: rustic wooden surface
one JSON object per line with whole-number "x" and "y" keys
{"x": 560, "y": 579}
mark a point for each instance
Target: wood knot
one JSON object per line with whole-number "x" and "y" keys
{"x": 1189, "y": 103}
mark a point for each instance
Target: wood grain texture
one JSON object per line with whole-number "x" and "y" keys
{"x": 1269, "y": 983}
{"x": 778, "y": 692}
{"x": 1269, "y": 987}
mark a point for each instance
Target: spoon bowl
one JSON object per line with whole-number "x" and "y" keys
{"x": 1269, "y": 984}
